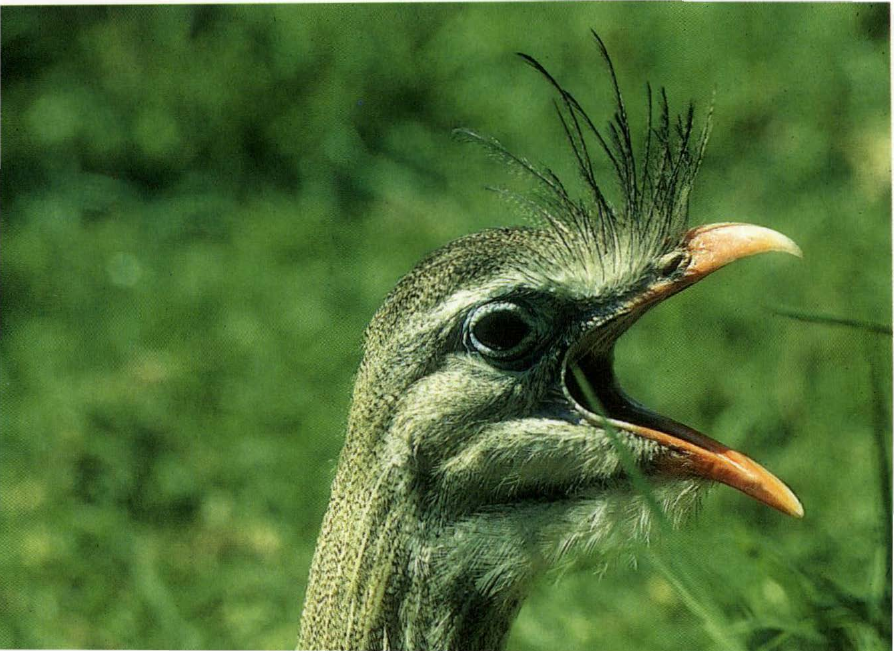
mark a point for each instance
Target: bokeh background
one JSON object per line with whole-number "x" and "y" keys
{"x": 203, "y": 206}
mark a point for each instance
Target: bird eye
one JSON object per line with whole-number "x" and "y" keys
{"x": 501, "y": 330}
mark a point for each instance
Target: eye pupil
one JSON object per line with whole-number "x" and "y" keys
{"x": 501, "y": 330}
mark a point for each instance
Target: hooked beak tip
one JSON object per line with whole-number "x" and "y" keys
{"x": 713, "y": 246}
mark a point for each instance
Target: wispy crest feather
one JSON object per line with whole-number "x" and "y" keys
{"x": 654, "y": 198}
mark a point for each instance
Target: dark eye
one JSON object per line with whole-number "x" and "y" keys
{"x": 501, "y": 330}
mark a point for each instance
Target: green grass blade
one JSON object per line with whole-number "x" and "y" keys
{"x": 640, "y": 481}
{"x": 881, "y": 431}
{"x": 713, "y": 620}
{"x": 824, "y": 319}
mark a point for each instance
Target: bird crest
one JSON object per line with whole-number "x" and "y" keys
{"x": 604, "y": 239}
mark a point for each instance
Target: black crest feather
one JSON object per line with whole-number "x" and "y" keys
{"x": 653, "y": 208}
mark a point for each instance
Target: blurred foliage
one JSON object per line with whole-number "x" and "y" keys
{"x": 204, "y": 205}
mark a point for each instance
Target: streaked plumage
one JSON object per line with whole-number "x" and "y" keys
{"x": 471, "y": 462}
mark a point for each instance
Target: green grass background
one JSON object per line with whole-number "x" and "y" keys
{"x": 203, "y": 206}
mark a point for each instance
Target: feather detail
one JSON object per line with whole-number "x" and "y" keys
{"x": 653, "y": 209}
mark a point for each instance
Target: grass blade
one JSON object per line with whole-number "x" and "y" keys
{"x": 824, "y": 319}
{"x": 691, "y": 595}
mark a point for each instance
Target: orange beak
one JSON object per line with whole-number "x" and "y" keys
{"x": 708, "y": 248}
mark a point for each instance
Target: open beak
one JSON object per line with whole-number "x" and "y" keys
{"x": 706, "y": 249}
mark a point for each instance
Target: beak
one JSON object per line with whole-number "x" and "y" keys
{"x": 713, "y": 246}
{"x": 701, "y": 456}
{"x": 706, "y": 249}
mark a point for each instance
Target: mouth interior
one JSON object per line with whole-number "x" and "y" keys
{"x": 600, "y": 375}
{"x": 614, "y": 403}
{"x": 692, "y": 453}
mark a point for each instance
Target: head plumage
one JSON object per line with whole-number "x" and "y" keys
{"x": 654, "y": 197}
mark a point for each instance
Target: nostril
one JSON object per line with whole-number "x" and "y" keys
{"x": 670, "y": 263}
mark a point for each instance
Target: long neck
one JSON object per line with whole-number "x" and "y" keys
{"x": 379, "y": 578}
{"x": 389, "y": 572}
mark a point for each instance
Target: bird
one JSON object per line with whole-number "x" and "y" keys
{"x": 488, "y": 438}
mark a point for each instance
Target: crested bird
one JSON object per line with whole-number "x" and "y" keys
{"x": 488, "y": 437}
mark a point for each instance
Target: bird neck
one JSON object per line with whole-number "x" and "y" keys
{"x": 380, "y": 580}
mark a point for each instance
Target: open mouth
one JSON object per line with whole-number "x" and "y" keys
{"x": 590, "y": 378}
{"x": 695, "y": 455}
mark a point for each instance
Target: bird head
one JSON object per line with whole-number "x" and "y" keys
{"x": 492, "y": 370}
{"x": 491, "y": 364}
{"x": 487, "y": 409}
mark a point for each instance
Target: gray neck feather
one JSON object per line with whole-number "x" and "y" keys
{"x": 385, "y": 577}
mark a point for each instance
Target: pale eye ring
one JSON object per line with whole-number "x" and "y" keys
{"x": 501, "y": 330}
